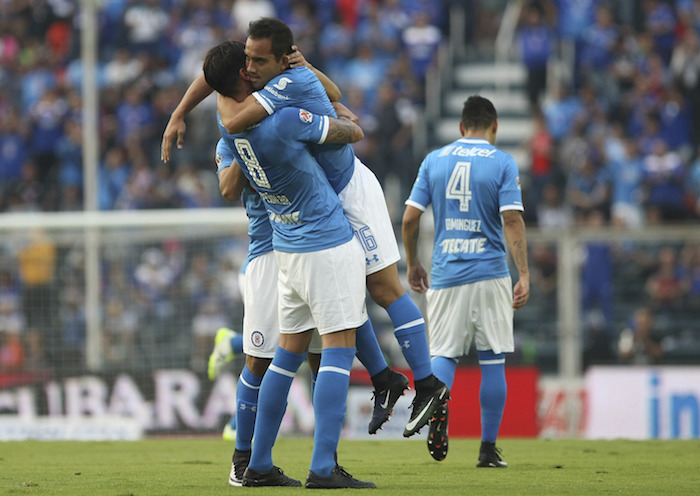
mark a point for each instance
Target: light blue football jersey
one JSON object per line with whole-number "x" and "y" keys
{"x": 299, "y": 87}
{"x": 259, "y": 228}
{"x": 304, "y": 211}
{"x": 469, "y": 183}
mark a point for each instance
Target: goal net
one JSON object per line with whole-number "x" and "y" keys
{"x": 114, "y": 291}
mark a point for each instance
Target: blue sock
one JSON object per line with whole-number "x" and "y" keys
{"x": 444, "y": 369}
{"x": 272, "y": 402}
{"x": 237, "y": 344}
{"x": 368, "y": 350}
{"x": 409, "y": 329}
{"x": 314, "y": 376}
{"x": 329, "y": 406}
{"x": 246, "y": 408}
{"x": 492, "y": 394}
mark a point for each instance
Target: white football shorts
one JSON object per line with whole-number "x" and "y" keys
{"x": 365, "y": 207}
{"x": 481, "y": 311}
{"x": 261, "y": 330}
{"x": 322, "y": 289}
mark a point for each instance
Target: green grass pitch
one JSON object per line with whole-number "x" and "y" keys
{"x": 200, "y": 466}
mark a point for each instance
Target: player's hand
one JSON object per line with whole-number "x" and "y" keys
{"x": 175, "y": 130}
{"x": 345, "y": 113}
{"x": 521, "y": 292}
{"x": 296, "y": 58}
{"x": 418, "y": 278}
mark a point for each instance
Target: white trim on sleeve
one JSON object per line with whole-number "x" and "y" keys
{"x": 416, "y": 205}
{"x": 326, "y": 124}
{"x": 261, "y": 100}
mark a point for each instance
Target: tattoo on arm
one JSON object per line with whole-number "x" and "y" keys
{"x": 517, "y": 239}
{"x": 520, "y": 255}
{"x": 342, "y": 131}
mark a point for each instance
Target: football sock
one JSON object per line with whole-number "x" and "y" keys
{"x": 246, "y": 406}
{"x": 272, "y": 403}
{"x": 368, "y": 351}
{"x": 444, "y": 369}
{"x": 381, "y": 379}
{"x": 329, "y": 406}
{"x": 237, "y": 344}
{"x": 492, "y": 393}
{"x": 409, "y": 329}
{"x": 314, "y": 376}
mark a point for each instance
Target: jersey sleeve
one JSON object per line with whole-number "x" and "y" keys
{"x": 420, "y": 193}
{"x": 510, "y": 196}
{"x": 301, "y": 125}
{"x": 281, "y": 91}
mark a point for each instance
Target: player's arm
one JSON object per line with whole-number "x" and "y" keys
{"x": 410, "y": 230}
{"x": 514, "y": 230}
{"x": 343, "y": 131}
{"x": 345, "y": 113}
{"x": 236, "y": 117}
{"x": 231, "y": 182}
{"x": 197, "y": 91}
{"x": 297, "y": 59}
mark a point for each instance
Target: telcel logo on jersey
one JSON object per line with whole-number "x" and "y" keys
{"x": 305, "y": 116}
{"x": 475, "y": 151}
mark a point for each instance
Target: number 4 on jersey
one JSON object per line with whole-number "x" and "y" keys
{"x": 458, "y": 186}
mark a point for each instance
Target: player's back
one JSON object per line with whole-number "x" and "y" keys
{"x": 303, "y": 209}
{"x": 470, "y": 182}
{"x": 299, "y": 87}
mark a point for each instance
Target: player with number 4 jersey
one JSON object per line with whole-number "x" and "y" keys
{"x": 474, "y": 189}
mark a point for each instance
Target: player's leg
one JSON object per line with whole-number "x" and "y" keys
{"x": 261, "y": 340}
{"x": 330, "y": 408}
{"x": 493, "y": 338}
{"x": 334, "y": 281}
{"x": 409, "y": 329}
{"x": 227, "y": 345}
{"x": 492, "y": 398}
{"x": 365, "y": 207}
{"x": 330, "y": 398}
{"x": 389, "y": 385}
{"x": 313, "y": 358}
{"x": 246, "y": 410}
{"x": 275, "y": 385}
{"x": 449, "y": 314}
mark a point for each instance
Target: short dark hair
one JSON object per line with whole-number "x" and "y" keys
{"x": 478, "y": 113}
{"x": 222, "y": 65}
{"x": 279, "y": 33}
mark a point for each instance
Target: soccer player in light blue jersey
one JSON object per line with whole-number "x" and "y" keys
{"x": 321, "y": 274}
{"x": 260, "y": 325}
{"x": 267, "y": 47}
{"x": 268, "y": 50}
{"x": 365, "y": 207}
{"x": 474, "y": 189}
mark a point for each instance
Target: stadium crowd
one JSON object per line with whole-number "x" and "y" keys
{"x": 149, "y": 51}
{"x": 615, "y": 138}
